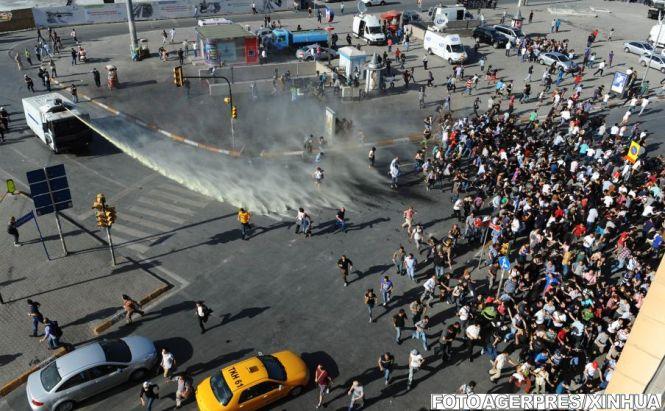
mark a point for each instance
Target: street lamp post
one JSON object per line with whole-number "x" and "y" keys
{"x": 133, "y": 42}
{"x": 655, "y": 44}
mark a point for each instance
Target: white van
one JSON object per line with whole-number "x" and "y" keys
{"x": 653, "y": 36}
{"x": 368, "y": 27}
{"x": 448, "y": 47}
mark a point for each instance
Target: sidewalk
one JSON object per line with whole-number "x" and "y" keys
{"x": 78, "y": 291}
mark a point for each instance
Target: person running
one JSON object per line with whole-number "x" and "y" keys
{"x": 244, "y": 218}
{"x": 148, "y": 395}
{"x": 12, "y": 230}
{"x": 131, "y": 307}
{"x": 386, "y": 364}
{"x": 357, "y": 394}
{"x": 324, "y": 382}
{"x": 416, "y": 361}
{"x": 345, "y": 265}
{"x": 202, "y": 315}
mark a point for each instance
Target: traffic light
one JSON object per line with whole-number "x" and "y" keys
{"x": 177, "y": 76}
{"x": 234, "y": 112}
{"x": 101, "y": 219}
{"x": 110, "y": 216}
{"x": 99, "y": 203}
{"x": 227, "y": 100}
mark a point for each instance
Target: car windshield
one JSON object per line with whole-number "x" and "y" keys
{"x": 274, "y": 368}
{"x": 67, "y": 127}
{"x": 116, "y": 350}
{"x": 220, "y": 388}
{"x": 563, "y": 58}
{"x": 519, "y": 33}
{"x": 457, "y": 48}
{"x": 374, "y": 29}
{"x": 50, "y": 376}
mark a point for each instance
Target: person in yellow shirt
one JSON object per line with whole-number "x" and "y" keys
{"x": 244, "y": 217}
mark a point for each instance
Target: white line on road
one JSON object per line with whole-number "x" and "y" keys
{"x": 169, "y": 207}
{"x": 178, "y": 198}
{"x": 145, "y": 223}
{"x": 157, "y": 214}
{"x": 138, "y": 234}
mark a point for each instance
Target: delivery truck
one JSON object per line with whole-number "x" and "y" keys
{"x": 55, "y": 120}
{"x": 283, "y": 39}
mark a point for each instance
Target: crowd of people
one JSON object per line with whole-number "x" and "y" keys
{"x": 579, "y": 220}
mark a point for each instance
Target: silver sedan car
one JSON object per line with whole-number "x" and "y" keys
{"x": 89, "y": 370}
{"x": 657, "y": 62}
{"x": 637, "y": 47}
{"x": 315, "y": 52}
{"x": 560, "y": 59}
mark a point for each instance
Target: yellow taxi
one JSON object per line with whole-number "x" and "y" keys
{"x": 253, "y": 383}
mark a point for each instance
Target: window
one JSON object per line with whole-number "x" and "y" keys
{"x": 50, "y": 376}
{"x": 103, "y": 370}
{"x": 257, "y": 391}
{"x": 220, "y": 388}
{"x": 457, "y": 48}
{"x": 73, "y": 381}
{"x": 274, "y": 368}
{"x": 116, "y": 350}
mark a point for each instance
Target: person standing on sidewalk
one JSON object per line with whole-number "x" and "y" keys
{"x": 345, "y": 265}
{"x": 244, "y": 217}
{"x": 386, "y": 365}
{"x": 323, "y": 380}
{"x": 370, "y": 301}
{"x": 13, "y": 230}
{"x": 130, "y": 306}
{"x": 168, "y": 363}
{"x": 357, "y": 394}
{"x": 52, "y": 334}
{"x": 202, "y": 315}
{"x": 36, "y": 316}
{"x": 149, "y": 393}
{"x": 399, "y": 321}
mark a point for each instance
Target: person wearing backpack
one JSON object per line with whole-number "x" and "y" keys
{"x": 52, "y": 333}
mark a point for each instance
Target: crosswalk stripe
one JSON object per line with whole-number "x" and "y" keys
{"x": 177, "y": 189}
{"x": 157, "y": 215}
{"x": 119, "y": 241}
{"x": 130, "y": 231}
{"x": 178, "y": 198}
{"x": 163, "y": 206}
{"x": 146, "y": 223}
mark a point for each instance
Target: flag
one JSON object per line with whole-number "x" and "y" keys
{"x": 633, "y": 151}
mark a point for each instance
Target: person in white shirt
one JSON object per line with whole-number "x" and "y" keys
{"x": 499, "y": 364}
{"x": 168, "y": 363}
{"x": 428, "y": 293}
{"x": 645, "y": 102}
{"x": 416, "y": 360}
{"x": 357, "y": 394}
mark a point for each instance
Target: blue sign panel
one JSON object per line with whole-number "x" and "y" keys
{"x": 49, "y": 189}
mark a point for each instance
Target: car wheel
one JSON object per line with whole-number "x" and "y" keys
{"x": 429, "y": 51}
{"x": 309, "y": 58}
{"x": 450, "y": 61}
{"x": 138, "y": 375}
{"x": 626, "y": 49}
{"x": 65, "y": 406}
{"x": 662, "y": 70}
{"x": 496, "y": 45}
{"x": 383, "y": 3}
{"x": 296, "y": 391}
{"x": 643, "y": 63}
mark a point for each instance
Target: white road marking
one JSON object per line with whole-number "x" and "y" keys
{"x": 164, "y": 206}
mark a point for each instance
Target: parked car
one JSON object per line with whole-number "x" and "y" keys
{"x": 637, "y": 47}
{"x": 370, "y": 3}
{"x": 653, "y": 61}
{"x": 560, "y": 59}
{"x": 508, "y": 32}
{"x": 488, "y": 35}
{"x": 89, "y": 370}
{"x": 315, "y": 52}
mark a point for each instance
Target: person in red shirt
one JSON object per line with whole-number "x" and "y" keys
{"x": 323, "y": 380}
{"x": 579, "y": 230}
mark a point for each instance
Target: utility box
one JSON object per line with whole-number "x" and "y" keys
{"x": 227, "y": 43}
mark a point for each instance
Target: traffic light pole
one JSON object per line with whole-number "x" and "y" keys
{"x": 108, "y": 235}
{"x": 233, "y": 134}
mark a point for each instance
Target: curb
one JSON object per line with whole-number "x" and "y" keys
{"x": 21, "y": 379}
{"x": 153, "y": 127}
{"x": 106, "y": 324}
